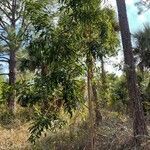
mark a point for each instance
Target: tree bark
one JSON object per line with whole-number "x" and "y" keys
{"x": 103, "y": 75}
{"x": 103, "y": 82}
{"x": 98, "y": 116}
{"x": 45, "y": 105}
{"x": 90, "y": 104}
{"x": 12, "y": 62}
{"x": 139, "y": 125}
{"x": 12, "y": 81}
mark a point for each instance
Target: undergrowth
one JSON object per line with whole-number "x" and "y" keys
{"x": 114, "y": 132}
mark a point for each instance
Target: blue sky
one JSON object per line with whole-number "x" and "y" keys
{"x": 136, "y": 22}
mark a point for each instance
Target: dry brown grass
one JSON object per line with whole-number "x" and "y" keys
{"x": 114, "y": 133}
{"x": 15, "y": 138}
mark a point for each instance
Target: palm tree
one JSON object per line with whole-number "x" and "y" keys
{"x": 142, "y": 49}
{"x": 139, "y": 125}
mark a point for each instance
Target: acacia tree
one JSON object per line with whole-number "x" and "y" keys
{"x": 139, "y": 125}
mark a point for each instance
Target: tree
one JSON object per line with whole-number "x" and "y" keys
{"x": 139, "y": 125}
{"x": 97, "y": 37}
{"x": 118, "y": 99}
{"x": 142, "y": 48}
{"x": 16, "y": 16}
{"x": 142, "y": 55}
{"x": 107, "y": 44}
{"x": 55, "y": 50}
{"x": 12, "y": 31}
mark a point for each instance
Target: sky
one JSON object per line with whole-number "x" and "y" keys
{"x": 136, "y": 22}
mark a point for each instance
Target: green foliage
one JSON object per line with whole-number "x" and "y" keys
{"x": 98, "y": 26}
{"x": 84, "y": 11}
{"x": 26, "y": 94}
{"x": 120, "y": 92}
{"x": 142, "y": 50}
{"x": 144, "y": 86}
{"x": 58, "y": 56}
{"x": 21, "y": 117}
{"x": 37, "y": 14}
{"x": 142, "y": 54}
{"x": 118, "y": 97}
{"x": 6, "y": 91}
{"x": 1, "y": 90}
{"x": 54, "y": 51}
{"x": 42, "y": 123}
{"x": 6, "y": 119}
{"x": 61, "y": 51}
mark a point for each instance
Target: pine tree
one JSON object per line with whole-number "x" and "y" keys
{"x": 12, "y": 32}
{"x": 139, "y": 125}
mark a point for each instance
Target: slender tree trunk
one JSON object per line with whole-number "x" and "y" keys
{"x": 103, "y": 82}
{"x": 12, "y": 81}
{"x": 90, "y": 104}
{"x": 12, "y": 61}
{"x": 103, "y": 75}
{"x": 98, "y": 116}
{"x": 44, "y": 73}
{"x": 139, "y": 125}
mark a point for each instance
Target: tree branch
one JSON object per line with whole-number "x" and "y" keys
{"x": 3, "y": 38}
{"x": 3, "y": 54}
{"x": 5, "y": 13}
{"x": 2, "y": 57}
{"x": 6, "y": 4}
{"x": 24, "y": 30}
{"x": 7, "y": 61}
{"x": 14, "y": 4}
{"x": 2, "y": 25}
{"x": 20, "y": 12}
